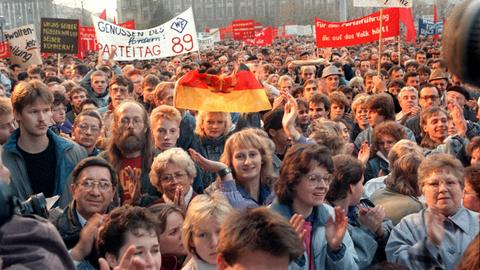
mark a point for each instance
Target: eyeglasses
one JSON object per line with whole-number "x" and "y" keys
{"x": 448, "y": 183}
{"x": 168, "y": 178}
{"x": 315, "y": 179}
{"x": 84, "y": 128}
{"x": 89, "y": 184}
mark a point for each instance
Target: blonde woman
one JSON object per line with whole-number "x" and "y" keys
{"x": 200, "y": 230}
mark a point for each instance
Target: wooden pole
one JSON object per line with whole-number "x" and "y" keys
{"x": 399, "y": 48}
{"x": 58, "y": 65}
{"x": 380, "y": 43}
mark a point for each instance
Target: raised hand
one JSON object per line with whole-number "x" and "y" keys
{"x": 128, "y": 261}
{"x": 372, "y": 218}
{"x": 297, "y": 222}
{"x": 179, "y": 198}
{"x": 434, "y": 222}
{"x": 364, "y": 153}
{"x": 206, "y": 164}
{"x": 290, "y": 115}
{"x": 335, "y": 230}
{"x": 87, "y": 237}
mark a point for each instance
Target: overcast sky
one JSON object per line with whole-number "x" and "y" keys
{"x": 95, "y": 6}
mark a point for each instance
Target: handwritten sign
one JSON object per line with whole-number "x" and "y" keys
{"x": 177, "y": 36}
{"x": 24, "y": 49}
{"x": 59, "y": 35}
{"x": 426, "y": 27}
{"x": 358, "y": 31}
{"x": 383, "y": 3}
{"x": 243, "y": 29}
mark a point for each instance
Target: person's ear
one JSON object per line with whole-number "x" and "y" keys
{"x": 111, "y": 259}
{"x": 272, "y": 132}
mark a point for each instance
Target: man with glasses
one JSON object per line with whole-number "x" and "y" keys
{"x": 427, "y": 97}
{"x": 130, "y": 150}
{"x": 438, "y": 235}
{"x": 86, "y": 131}
{"x": 93, "y": 189}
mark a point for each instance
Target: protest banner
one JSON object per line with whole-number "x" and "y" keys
{"x": 59, "y": 35}
{"x": 239, "y": 92}
{"x": 226, "y": 32}
{"x": 206, "y": 43}
{"x": 215, "y": 33}
{"x": 264, "y": 37}
{"x": 4, "y": 51}
{"x": 291, "y": 29}
{"x": 358, "y": 31}
{"x": 243, "y": 29}
{"x": 23, "y": 45}
{"x": 177, "y": 36}
{"x": 427, "y": 28}
{"x": 383, "y": 3}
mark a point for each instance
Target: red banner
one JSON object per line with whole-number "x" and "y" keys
{"x": 243, "y": 29}
{"x": 226, "y": 32}
{"x": 264, "y": 37}
{"x": 87, "y": 40}
{"x": 358, "y": 31}
{"x": 4, "y": 51}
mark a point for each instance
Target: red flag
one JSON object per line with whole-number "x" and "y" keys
{"x": 207, "y": 30}
{"x": 114, "y": 20}
{"x": 406, "y": 17}
{"x": 435, "y": 17}
{"x": 4, "y": 49}
{"x": 240, "y": 92}
{"x": 103, "y": 15}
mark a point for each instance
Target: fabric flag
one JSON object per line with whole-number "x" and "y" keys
{"x": 103, "y": 15}
{"x": 406, "y": 17}
{"x": 114, "y": 20}
{"x": 239, "y": 92}
{"x": 4, "y": 51}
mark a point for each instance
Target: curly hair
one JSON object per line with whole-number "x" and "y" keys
{"x": 328, "y": 133}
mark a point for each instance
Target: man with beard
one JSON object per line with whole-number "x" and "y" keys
{"x": 130, "y": 150}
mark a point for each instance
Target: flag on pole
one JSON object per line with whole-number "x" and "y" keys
{"x": 406, "y": 17}
{"x": 103, "y": 15}
{"x": 239, "y": 92}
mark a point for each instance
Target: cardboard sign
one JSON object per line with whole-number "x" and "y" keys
{"x": 358, "y": 31}
{"x": 206, "y": 43}
{"x": 243, "y": 29}
{"x": 383, "y": 3}
{"x": 177, "y": 36}
{"x": 427, "y": 28}
{"x": 23, "y": 45}
{"x": 59, "y": 35}
{"x": 4, "y": 51}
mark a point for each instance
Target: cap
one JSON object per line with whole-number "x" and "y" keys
{"x": 330, "y": 70}
{"x": 438, "y": 74}
{"x": 460, "y": 90}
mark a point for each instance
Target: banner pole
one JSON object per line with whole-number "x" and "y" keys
{"x": 399, "y": 47}
{"x": 380, "y": 41}
{"x": 58, "y": 64}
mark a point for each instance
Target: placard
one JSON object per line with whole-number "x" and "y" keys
{"x": 243, "y": 29}
{"x": 383, "y": 3}
{"x": 177, "y": 36}
{"x": 23, "y": 44}
{"x": 59, "y": 35}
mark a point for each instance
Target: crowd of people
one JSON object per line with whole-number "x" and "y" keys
{"x": 354, "y": 167}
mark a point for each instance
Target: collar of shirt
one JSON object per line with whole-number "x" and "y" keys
{"x": 81, "y": 219}
{"x": 460, "y": 219}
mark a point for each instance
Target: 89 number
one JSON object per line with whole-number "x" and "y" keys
{"x": 178, "y": 47}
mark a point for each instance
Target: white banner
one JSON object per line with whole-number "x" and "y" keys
{"x": 24, "y": 47}
{"x": 206, "y": 43}
{"x": 383, "y": 3}
{"x": 177, "y": 36}
{"x": 215, "y": 33}
{"x": 291, "y": 29}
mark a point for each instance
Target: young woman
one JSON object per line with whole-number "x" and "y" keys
{"x": 244, "y": 170}
{"x": 169, "y": 221}
{"x": 201, "y": 228}
{"x": 300, "y": 191}
{"x": 366, "y": 223}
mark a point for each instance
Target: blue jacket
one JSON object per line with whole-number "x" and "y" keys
{"x": 324, "y": 258}
{"x": 68, "y": 154}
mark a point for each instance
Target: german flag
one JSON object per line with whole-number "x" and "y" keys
{"x": 239, "y": 92}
